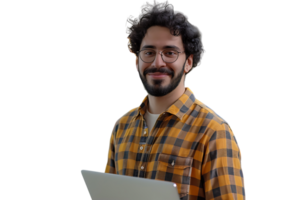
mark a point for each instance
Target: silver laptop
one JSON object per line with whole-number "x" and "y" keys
{"x": 104, "y": 186}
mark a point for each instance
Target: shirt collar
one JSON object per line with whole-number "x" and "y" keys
{"x": 178, "y": 108}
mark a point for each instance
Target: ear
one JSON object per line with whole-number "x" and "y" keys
{"x": 188, "y": 64}
{"x": 137, "y": 62}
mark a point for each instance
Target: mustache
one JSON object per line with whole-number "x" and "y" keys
{"x": 160, "y": 70}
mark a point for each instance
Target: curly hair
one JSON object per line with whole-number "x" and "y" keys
{"x": 163, "y": 14}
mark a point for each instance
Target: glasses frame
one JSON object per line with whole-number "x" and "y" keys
{"x": 138, "y": 52}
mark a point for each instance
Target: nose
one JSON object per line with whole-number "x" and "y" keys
{"x": 158, "y": 62}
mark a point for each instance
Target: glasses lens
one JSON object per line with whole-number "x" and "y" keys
{"x": 168, "y": 55}
{"x": 148, "y": 55}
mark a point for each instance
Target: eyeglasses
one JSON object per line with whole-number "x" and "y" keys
{"x": 167, "y": 55}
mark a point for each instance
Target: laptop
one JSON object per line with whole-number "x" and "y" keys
{"x": 103, "y": 186}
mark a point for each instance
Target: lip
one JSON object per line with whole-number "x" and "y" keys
{"x": 158, "y": 75}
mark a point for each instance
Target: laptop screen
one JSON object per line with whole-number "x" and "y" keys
{"x": 103, "y": 186}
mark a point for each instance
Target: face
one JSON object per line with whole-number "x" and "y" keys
{"x": 158, "y": 77}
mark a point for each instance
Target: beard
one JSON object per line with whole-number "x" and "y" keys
{"x": 157, "y": 89}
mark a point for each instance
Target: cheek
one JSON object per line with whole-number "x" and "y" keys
{"x": 142, "y": 66}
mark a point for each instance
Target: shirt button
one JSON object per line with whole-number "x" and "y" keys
{"x": 142, "y": 167}
{"x": 145, "y": 132}
{"x": 141, "y": 148}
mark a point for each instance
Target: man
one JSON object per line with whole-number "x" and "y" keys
{"x": 172, "y": 136}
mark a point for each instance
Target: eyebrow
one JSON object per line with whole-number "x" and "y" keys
{"x": 165, "y": 47}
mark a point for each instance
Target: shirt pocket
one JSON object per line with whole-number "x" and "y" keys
{"x": 175, "y": 169}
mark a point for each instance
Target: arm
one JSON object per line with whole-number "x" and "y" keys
{"x": 110, "y": 166}
{"x": 222, "y": 174}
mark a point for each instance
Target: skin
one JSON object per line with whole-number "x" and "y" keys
{"x": 160, "y": 37}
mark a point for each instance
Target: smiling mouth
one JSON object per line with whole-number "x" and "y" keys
{"x": 158, "y": 75}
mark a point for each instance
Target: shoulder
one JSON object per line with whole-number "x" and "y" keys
{"x": 217, "y": 119}
{"x": 126, "y": 118}
{"x": 210, "y": 113}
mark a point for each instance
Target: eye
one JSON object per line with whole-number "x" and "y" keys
{"x": 170, "y": 53}
{"x": 148, "y": 53}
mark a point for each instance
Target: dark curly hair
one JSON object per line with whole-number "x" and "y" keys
{"x": 162, "y": 14}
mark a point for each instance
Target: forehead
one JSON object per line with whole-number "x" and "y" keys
{"x": 159, "y": 37}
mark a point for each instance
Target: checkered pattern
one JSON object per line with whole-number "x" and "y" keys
{"x": 189, "y": 145}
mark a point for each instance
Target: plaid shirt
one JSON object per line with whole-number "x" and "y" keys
{"x": 189, "y": 145}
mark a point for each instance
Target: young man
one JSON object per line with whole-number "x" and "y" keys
{"x": 172, "y": 136}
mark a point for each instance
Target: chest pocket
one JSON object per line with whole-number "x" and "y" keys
{"x": 175, "y": 169}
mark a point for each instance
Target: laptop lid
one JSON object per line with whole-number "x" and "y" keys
{"x": 103, "y": 186}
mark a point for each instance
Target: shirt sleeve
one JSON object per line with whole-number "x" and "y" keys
{"x": 221, "y": 168}
{"x": 110, "y": 166}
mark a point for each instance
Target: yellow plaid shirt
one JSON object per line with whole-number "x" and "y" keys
{"x": 189, "y": 145}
